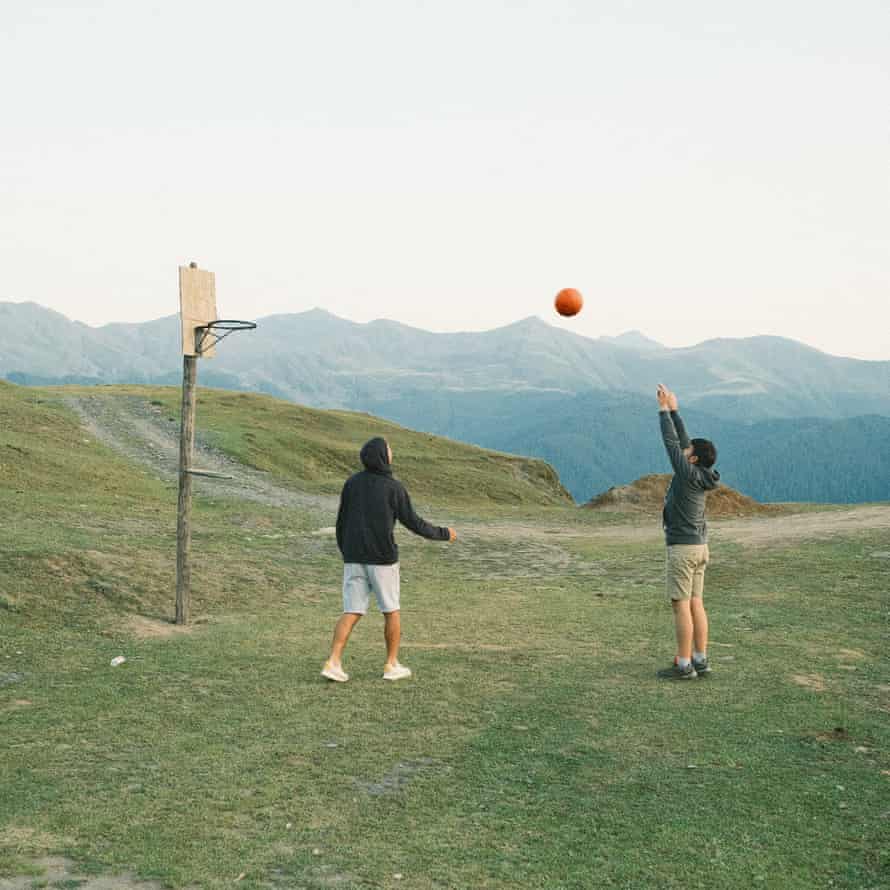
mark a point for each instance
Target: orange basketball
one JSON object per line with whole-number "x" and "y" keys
{"x": 569, "y": 301}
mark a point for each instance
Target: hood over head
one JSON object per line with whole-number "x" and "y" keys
{"x": 710, "y": 478}
{"x": 374, "y": 456}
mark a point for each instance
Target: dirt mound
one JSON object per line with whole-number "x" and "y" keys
{"x": 646, "y": 495}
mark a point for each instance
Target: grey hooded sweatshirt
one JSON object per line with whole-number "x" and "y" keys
{"x": 683, "y": 516}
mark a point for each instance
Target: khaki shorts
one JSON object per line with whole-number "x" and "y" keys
{"x": 686, "y": 565}
{"x": 360, "y": 581}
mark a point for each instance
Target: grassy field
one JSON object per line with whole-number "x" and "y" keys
{"x": 534, "y": 747}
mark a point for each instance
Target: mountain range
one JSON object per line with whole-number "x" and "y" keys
{"x": 791, "y": 422}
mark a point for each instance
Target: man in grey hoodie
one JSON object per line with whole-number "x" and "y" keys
{"x": 686, "y": 537}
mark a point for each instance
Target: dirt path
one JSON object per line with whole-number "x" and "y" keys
{"x": 804, "y": 526}
{"x": 757, "y": 531}
{"x": 144, "y": 433}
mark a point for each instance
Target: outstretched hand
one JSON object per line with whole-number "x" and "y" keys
{"x": 452, "y": 534}
{"x": 667, "y": 401}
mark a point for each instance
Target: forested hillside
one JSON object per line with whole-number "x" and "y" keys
{"x": 598, "y": 440}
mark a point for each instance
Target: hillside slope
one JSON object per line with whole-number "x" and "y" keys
{"x": 307, "y": 449}
{"x": 646, "y": 496}
{"x": 88, "y": 479}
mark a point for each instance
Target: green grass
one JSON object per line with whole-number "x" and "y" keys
{"x": 534, "y": 748}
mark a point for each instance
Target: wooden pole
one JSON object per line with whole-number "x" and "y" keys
{"x": 184, "y": 520}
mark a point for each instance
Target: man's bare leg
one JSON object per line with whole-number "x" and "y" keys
{"x": 392, "y": 632}
{"x": 700, "y": 624}
{"x": 683, "y": 627}
{"x": 342, "y": 630}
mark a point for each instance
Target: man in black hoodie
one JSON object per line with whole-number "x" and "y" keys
{"x": 370, "y": 503}
{"x": 686, "y": 536}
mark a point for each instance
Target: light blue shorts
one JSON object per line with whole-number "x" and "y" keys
{"x": 360, "y": 579}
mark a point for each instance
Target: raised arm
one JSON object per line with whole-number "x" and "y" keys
{"x": 673, "y": 432}
{"x": 680, "y": 427}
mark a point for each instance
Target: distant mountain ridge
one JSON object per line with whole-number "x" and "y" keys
{"x": 319, "y": 359}
{"x": 634, "y": 340}
{"x": 530, "y": 388}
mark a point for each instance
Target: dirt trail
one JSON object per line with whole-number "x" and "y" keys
{"x": 756, "y": 531}
{"x": 805, "y": 526}
{"x": 144, "y": 433}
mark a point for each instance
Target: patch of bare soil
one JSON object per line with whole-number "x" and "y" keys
{"x": 806, "y": 526}
{"x": 524, "y": 556}
{"x": 57, "y": 871}
{"x": 149, "y": 629}
{"x": 9, "y": 679}
{"x": 397, "y": 779}
{"x": 144, "y": 433}
{"x": 816, "y": 682}
{"x": 850, "y": 654}
{"x": 838, "y": 734}
{"x": 646, "y": 495}
{"x": 460, "y": 647}
{"x": 755, "y": 530}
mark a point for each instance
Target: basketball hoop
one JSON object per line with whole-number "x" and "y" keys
{"x": 214, "y": 331}
{"x": 201, "y": 331}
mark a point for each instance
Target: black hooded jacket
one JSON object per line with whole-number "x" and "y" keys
{"x": 370, "y": 504}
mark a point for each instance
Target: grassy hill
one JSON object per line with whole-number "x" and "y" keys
{"x": 317, "y": 450}
{"x": 533, "y": 748}
{"x": 50, "y": 466}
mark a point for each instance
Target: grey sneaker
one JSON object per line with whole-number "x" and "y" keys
{"x": 675, "y": 672}
{"x": 702, "y": 668}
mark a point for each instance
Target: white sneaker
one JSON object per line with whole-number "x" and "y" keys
{"x": 334, "y": 672}
{"x": 396, "y": 672}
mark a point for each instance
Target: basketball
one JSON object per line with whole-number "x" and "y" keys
{"x": 569, "y": 301}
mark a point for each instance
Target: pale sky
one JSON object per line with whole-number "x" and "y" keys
{"x": 697, "y": 169}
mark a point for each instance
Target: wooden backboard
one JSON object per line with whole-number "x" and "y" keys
{"x": 197, "y": 306}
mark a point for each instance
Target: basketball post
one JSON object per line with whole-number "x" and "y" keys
{"x": 201, "y": 331}
{"x": 184, "y": 511}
